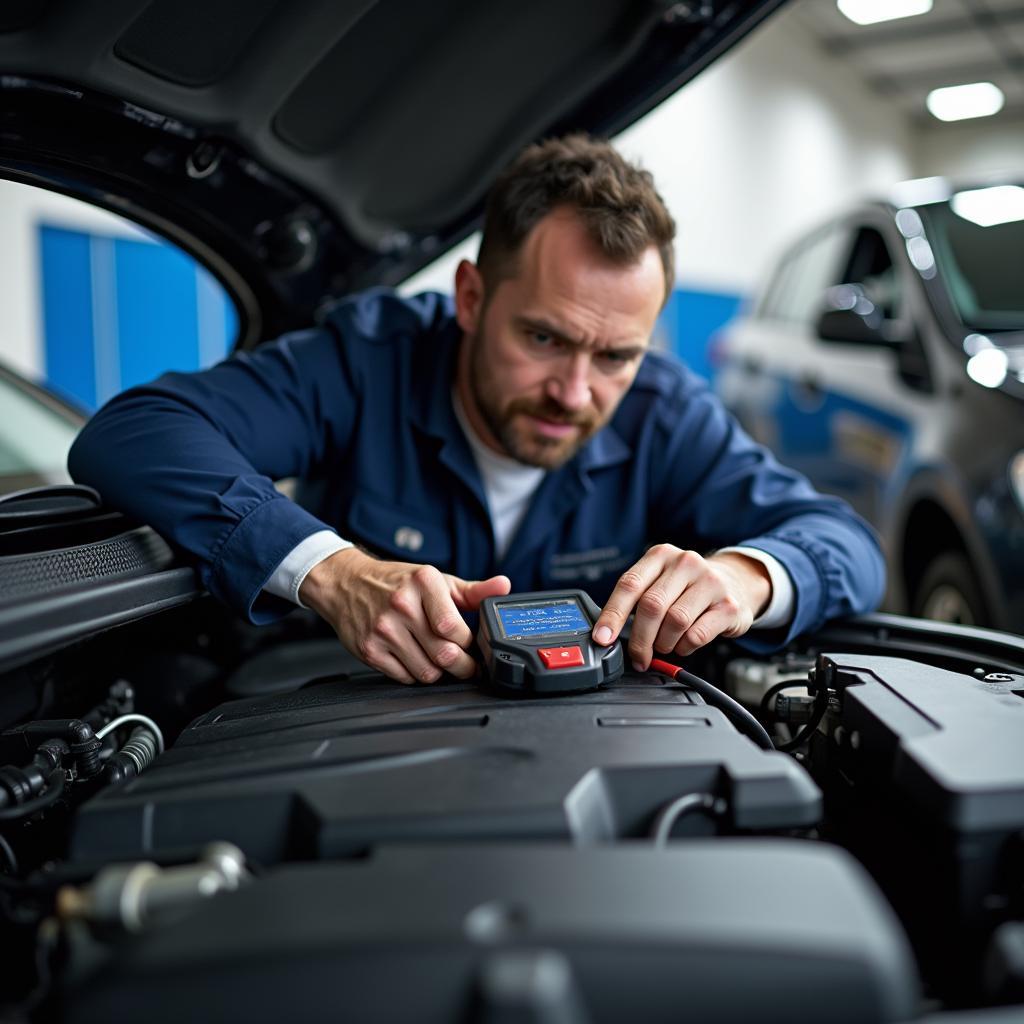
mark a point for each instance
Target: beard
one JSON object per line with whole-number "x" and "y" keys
{"x": 509, "y": 422}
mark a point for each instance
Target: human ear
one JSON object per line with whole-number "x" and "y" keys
{"x": 469, "y": 296}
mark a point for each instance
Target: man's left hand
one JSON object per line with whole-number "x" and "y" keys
{"x": 683, "y": 601}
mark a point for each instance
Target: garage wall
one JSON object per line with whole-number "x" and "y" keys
{"x": 771, "y": 140}
{"x": 970, "y": 148}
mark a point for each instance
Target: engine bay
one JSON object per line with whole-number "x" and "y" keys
{"x": 204, "y": 819}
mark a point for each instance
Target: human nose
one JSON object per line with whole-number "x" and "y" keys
{"x": 571, "y": 386}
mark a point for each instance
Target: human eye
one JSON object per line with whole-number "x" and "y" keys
{"x": 612, "y": 359}
{"x": 542, "y": 342}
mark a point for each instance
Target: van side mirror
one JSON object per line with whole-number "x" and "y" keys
{"x": 851, "y": 318}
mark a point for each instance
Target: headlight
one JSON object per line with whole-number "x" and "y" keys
{"x": 1017, "y": 477}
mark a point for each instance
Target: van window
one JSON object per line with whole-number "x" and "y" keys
{"x": 871, "y": 266}
{"x": 982, "y": 266}
{"x": 798, "y": 290}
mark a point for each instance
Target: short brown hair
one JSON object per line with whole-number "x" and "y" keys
{"x": 617, "y": 201}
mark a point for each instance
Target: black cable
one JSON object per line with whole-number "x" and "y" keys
{"x": 776, "y": 688}
{"x": 49, "y": 796}
{"x": 735, "y": 712}
{"x": 820, "y": 707}
{"x": 678, "y": 808}
{"x": 12, "y": 861}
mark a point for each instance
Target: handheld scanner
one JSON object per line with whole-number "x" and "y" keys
{"x": 541, "y": 644}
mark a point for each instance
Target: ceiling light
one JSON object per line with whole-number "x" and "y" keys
{"x": 959, "y": 102}
{"x": 920, "y": 191}
{"x": 974, "y": 343}
{"x": 986, "y": 207}
{"x": 988, "y": 367}
{"x": 869, "y": 12}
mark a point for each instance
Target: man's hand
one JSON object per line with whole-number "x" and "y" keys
{"x": 402, "y": 619}
{"x": 683, "y": 601}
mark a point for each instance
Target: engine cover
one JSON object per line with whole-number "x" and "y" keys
{"x": 337, "y": 767}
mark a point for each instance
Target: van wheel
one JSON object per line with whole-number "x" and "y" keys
{"x": 949, "y": 592}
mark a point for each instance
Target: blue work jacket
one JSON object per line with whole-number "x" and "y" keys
{"x": 359, "y": 409}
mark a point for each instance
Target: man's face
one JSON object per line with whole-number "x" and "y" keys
{"x": 549, "y": 352}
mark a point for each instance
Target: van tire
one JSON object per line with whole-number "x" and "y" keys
{"x": 949, "y": 592}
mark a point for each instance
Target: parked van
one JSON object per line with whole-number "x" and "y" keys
{"x": 885, "y": 360}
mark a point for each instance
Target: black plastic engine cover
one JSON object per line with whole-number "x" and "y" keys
{"x": 721, "y": 931}
{"x": 924, "y": 769}
{"x": 335, "y": 768}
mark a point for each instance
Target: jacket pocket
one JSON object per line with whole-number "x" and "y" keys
{"x": 398, "y": 533}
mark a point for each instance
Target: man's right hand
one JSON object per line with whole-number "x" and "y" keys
{"x": 400, "y": 618}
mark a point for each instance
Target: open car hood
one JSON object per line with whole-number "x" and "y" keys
{"x": 307, "y": 149}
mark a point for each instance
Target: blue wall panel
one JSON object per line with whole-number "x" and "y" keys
{"x": 691, "y": 318}
{"x": 217, "y": 319}
{"x": 157, "y": 325}
{"x": 68, "y": 358}
{"x": 119, "y": 312}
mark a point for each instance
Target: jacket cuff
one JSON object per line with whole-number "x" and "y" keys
{"x": 251, "y": 552}
{"x": 808, "y": 592}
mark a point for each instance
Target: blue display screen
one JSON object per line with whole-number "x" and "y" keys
{"x": 538, "y": 618}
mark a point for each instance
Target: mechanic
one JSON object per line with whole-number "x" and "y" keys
{"x": 521, "y": 436}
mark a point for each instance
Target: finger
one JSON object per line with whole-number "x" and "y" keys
{"x": 654, "y": 604}
{"x": 415, "y": 659}
{"x": 468, "y": 594}
{"x": 682, "y": 570}
{"x": 632, "y": 585}
{"x": 389, "y": 665}
{"x": 684, "y": 612}
{"x": 448, "y": 657}
{"x": 430, "y": 615}
{"x": 440, "y": 614}
{"x": 393, "y": 634}
{"x": 723, "y": 617}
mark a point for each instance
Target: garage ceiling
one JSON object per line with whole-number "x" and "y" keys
{"x": 958, "y": 41}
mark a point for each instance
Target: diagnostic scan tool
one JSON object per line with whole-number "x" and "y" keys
{"x": 541, "y": 643}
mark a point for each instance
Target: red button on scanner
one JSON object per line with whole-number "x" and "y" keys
{"x": 561, "y": 657}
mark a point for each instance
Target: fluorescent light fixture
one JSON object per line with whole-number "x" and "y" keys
{"x": 909, "y": 223}
{"x": 920, "y": 191}
{"x": 870, "y": 12}
{"x": 959, "y": 102}
{"x": 974, "y": 343}
{"x": 988, "y": 368}
{"x": 920, "y": 254}
{"x": 986, "y": 207}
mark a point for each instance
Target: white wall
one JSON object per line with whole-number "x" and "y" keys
{"x": 967, "y": 149}
{"x": 22, "y": 209}
{"x": 772, "y": 139}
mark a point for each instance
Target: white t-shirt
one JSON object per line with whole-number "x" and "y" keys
{"x": 509, "y": 485}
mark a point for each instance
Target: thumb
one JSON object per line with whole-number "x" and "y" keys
{"x": 467, "y": 594}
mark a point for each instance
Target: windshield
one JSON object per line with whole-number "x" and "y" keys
{"x": 34, "y": 439}
{"x": 978, "y": 241}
